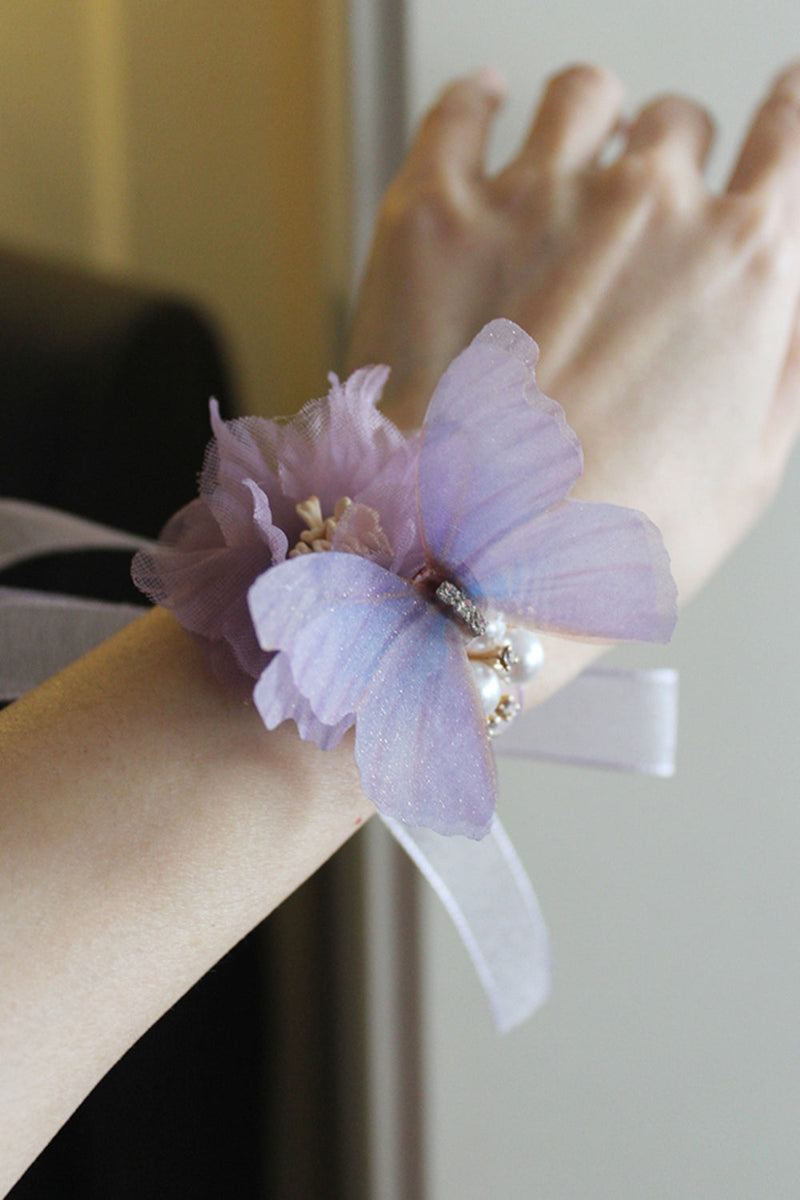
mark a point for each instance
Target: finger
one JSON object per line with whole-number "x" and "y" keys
{"x": 454, "y": 133}
{"x": 770, "y": 157}
{"x": 579, "y": 111}
{"x": 675, "y": 126}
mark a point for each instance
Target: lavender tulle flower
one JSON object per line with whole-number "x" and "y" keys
{"x": 245, "y": 519}
{"x": 314, "y": 560}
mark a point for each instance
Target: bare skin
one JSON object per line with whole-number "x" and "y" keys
{"x": 667, "y": 317}
{"x": 147, "y": 820}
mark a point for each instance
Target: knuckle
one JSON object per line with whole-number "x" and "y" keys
{"x": 647, "y": 181}
{"x": 535, "y": 197}
{"x": 674, "y": 110}
{"x": 782, "y": 110}
{"x": 752, "y": 229}
{"x": 425, "y": 206}
{"x": 460, "y": 101}
{"x": 625, "y": 183}
{"x": 789, "y": 79}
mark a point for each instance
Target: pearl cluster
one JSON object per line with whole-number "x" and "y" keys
{"x": 503, "y": 658}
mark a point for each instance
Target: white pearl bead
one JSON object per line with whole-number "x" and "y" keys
{"x": 495, "y": 627}
{"x": 487, "y": 682}
{"x": 529, "y": 653}
{"x": 493, "y": 636}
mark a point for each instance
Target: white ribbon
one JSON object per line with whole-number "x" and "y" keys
{"x": 485, "y": 890}
{"x": 40, "y": 634}
{"x": 607, "y": 717}
{"x": 29, "y": 530}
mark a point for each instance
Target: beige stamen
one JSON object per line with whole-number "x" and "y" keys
{"x": 320, "y": 532}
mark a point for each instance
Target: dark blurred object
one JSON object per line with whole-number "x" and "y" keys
{"x": 104, "y": 392}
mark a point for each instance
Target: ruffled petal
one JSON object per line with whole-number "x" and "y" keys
{"x": 359, "y": 531}
{"x": 207, "y": 591}
{"x": 204, "y": 579}
{"x": 393, "y": 494}
{"x": 335, "y": 446}
{"x": 232, "y": 458}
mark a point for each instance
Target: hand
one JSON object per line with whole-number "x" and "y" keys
{"x": 667, "y": 317}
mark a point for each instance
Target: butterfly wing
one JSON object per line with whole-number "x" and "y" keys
{"x": 421, "y": 744}
{"x": 494, "y": 448}
{"x": 597, "y": 570}
{"x": 359, "y": 640}
{"x": 277, "y": 699}
{"x": 496, "y": 462}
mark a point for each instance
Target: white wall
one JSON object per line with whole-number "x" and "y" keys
{"x": 667, "y": 1063}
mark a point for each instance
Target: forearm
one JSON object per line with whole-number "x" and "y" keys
{"x": 147, "y": 822}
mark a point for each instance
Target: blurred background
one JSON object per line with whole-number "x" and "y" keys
{"x": 234, "y": 154}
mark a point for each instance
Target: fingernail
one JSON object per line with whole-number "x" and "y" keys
{"x": 789, "y": 80}
{"x": 491, "y": 81}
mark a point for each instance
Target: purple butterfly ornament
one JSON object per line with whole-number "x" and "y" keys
{"x": 364, "y": 634}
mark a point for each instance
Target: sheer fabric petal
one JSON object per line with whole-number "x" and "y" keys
{"x": 204, "y": 579}
{"x": 597, "y": 570}
{"x": 232, "y": 457}
{"x": 334, "y": 446}
{"x": 494, "y": 449}
{"x": 421, "y": 744}
{"x": 334, "y": 615}
{"x": 277, "y": 699}
{"x": 360, "y": 640}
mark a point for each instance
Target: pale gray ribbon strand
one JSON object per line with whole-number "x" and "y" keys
{"x": 28, "y": 530}
{"x": 607, "y": 717}
{"x": 40, "y": 634}
{"x": 489, "y": 897}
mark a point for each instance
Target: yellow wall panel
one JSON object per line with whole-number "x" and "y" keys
{"x": 44, "y": 144}
{"x": 198, "y": 145}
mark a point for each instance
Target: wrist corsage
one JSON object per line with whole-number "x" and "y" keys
{"x": 359, "y": 576}
{"x": 350, "y": 575}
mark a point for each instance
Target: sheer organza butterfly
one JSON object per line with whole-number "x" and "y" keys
{"x": 360, "y": 635}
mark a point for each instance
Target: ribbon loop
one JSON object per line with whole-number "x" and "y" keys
{"x": 40, "y": 634}
{"x": 626, "y": 720}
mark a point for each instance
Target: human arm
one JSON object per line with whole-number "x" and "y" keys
{"x": 147, "y": 822}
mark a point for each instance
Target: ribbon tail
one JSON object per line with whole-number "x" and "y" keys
{"x": 606, "y": 717}
{"x": 28, "y": 530}
{"x": 41, "y": 634}
{"x": 489, "y": 897}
